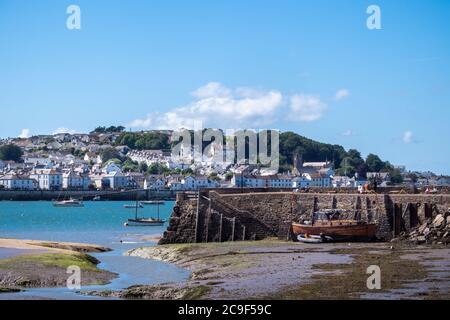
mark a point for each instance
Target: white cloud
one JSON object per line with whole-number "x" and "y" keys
{"x": 64, "y": 130}
{"x": 408, "y": 136}
{"x": 212, "y": 89}
{"x": 25, "y": 133}
{"x": 348, "y": 133}
{"x": 306, "y": 108}
{"x": 341, "y": 94}
{"x": 218, "y": 107}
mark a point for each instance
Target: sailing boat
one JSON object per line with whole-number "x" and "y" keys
{"x": 143, "y": 222}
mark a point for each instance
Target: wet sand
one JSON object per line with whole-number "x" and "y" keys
{"x": 273, "y": 269}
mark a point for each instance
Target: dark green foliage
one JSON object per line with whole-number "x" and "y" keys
{"x": 111, "y": 129}
{"x": 292, "y": 144}
{"x": 10, "y": 152}
{"x": 144, "y": 140}
{"x": 109, "y": 154}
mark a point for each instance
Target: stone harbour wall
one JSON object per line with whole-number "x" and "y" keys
{"x": 216, "y": 216}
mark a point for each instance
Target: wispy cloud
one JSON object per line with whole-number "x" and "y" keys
{"x": 64, "y": 130}
{"x": 25, "y": 133}
{"x": 408, "y": 137}
{"x": 342, "y": 94}
{"x": 348, "y": 133}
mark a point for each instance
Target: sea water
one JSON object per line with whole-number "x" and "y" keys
{"x": 100, "y": 223}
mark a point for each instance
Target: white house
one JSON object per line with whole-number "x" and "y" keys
{"x": 156, "y": 182}
{"x": 440, "y": 181}
{"x": 48, "y": 179}
{"x": 117, "y": 180}
{"x": 279, "y": 181}
{"x": 17, "y": 182}
{"x": 76, "y": 181}
{"x": 111, "y": 167}
{"x": 248, "y": 181}
{"x": 379, "y": 176}
{"x": 314, "y": 180}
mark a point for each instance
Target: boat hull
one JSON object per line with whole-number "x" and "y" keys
{"x": 361, "y": 232}
{"x": 152, "y": 203}
{"x": 68, "y": 205}
{"x": 143, "y": 223}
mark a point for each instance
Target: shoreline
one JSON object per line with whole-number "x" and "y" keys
{"x": 273, "y": 269}
{"x": 47, "y": 195}
{"x": 43, "y": 264}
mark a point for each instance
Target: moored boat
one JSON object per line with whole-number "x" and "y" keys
{"x": 144, "y": 222}
{"x": 152, "y": 202}
{"x": 68, "y": 203}
{"x": 133, "y": 206}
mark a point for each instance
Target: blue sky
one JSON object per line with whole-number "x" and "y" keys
{"x": 308, "y": 66}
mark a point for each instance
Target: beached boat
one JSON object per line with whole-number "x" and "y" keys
{"x": 313, "y": 239}
{"x": 152, "y": 202}
{"x": 335, "y": 229}
{"x": 68, "y": 203}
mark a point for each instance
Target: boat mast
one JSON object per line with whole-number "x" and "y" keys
{"x": 158, "y": 210}
{"x": 136, "y": 211}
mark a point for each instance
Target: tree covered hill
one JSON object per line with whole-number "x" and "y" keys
{"x": 292, "y": 145}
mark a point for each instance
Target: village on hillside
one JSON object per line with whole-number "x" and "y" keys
{"x": 95, "y": 161}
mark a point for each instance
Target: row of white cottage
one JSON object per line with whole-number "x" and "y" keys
{"x": 307, "y": 180}
{"x": 50, "y": 179}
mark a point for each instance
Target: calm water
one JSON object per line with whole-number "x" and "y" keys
{"x": 98, "y": 223}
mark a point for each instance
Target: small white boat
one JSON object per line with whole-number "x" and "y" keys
{"x": 97, "y": 198}
{"x": 144, "y": 222}
{"x": 68, "y": 203}
{"x": 133, "y": 206}
{"x": 313, "y": 239}
{"x": 152, "y": 202}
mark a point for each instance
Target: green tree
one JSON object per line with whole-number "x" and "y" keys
{"x": 130, "y": 166}
{"x": 110, "y": 153}
{"x": 396, "y": 176}
{"x": 374, "y": 163}
{"x": 157, "y": 168}
{"x": 10, "y": 152}
{"x": 143, "y": 167}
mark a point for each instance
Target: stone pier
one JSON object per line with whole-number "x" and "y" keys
{"x": 235, "y": 215}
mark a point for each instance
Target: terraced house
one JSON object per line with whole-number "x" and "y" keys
{"x": 17, "y": 182}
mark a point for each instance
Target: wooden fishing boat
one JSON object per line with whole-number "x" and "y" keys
{"x": 327, "y": 224}
{"x": 338, "y": 230}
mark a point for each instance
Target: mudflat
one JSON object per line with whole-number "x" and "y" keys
{"x": 273, "y": 269}
{"x": 30, "y": 264}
